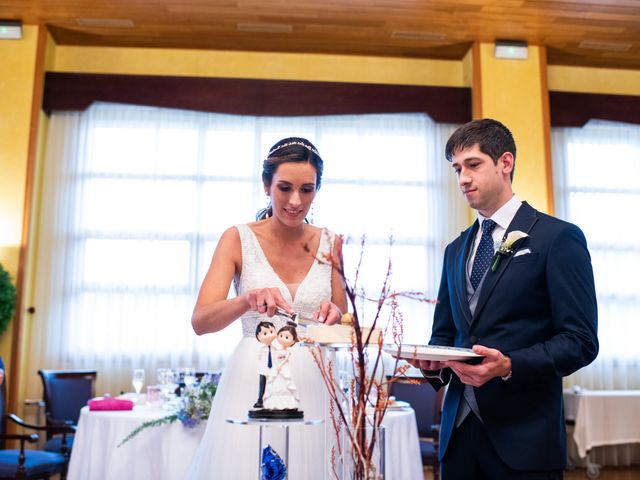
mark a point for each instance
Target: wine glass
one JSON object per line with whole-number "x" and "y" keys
{"x": 138, "y": 381}
{"x": 188, "y": 376}
{"x": 168, "y": 381}
{"x": 161, "y": 376}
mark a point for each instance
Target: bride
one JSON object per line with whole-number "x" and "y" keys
{"x": 279, "y": 261}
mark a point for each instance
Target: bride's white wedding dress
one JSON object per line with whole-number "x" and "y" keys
{"x": 229, "y": 451}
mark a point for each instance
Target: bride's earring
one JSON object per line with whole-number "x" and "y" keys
{"x": 268, "y": 209}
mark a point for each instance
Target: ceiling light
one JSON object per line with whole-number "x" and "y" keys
{"x": 105, "y": 22}
{"x": 10, "y": 29}
{"x": 512, "y": 49}
{"x": 264, "y": 27}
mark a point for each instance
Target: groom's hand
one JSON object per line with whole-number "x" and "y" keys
{"x": 429, "y": 368}
{"x": 494, "y": 364}
{"x": 428, "y": 365}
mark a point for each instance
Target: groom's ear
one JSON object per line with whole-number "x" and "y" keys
{"x": 506, "y": 162}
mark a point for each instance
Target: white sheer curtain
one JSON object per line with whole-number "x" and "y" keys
{"x": 596, "y": 171}
{"x": 135, "y": 198}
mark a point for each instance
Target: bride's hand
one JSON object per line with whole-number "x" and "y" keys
{"x": 265, "y": 300}
{"x": 328, "y": 313}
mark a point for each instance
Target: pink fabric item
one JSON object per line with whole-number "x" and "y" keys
{"x": 109, "y": 403}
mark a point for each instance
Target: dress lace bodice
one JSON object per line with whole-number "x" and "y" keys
{"x": 257, "y": 272}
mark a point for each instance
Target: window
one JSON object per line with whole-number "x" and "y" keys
{"x": 135, "y": 199}
{"x": 595, "y": 175}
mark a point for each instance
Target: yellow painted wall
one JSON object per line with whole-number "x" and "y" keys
{"x": 467, "y": 69}
{"x": 29, "y": 381}
{"x": 512, "y": 93}
{"x": 594, "y": 80}
{"x": 16, "y": 92}
{"x": 38, "y": 180}
{"x": 274, "y": 66}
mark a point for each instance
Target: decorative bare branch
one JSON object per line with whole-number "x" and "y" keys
{"x": 363, "y": 404}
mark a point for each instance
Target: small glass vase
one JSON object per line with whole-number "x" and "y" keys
{"x": 356, "y": 467}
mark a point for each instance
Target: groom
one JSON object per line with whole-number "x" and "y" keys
{"x": 529, "y": 309}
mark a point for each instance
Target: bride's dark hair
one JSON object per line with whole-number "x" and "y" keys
{"x": 291, "y": 328}
{"x": 291, "y": 149}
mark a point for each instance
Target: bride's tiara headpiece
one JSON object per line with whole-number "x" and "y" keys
{"x": 308, "y": 147}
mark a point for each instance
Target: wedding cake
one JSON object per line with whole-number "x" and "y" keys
{"x": 342, "y": 332}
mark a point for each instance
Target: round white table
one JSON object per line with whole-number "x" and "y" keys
{"x": 402, "y": 446}
{"x": 157, "y": 453}
{"x": 166, "y": 452}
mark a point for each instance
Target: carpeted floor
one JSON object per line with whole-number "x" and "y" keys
{"x": 607, "y": 473}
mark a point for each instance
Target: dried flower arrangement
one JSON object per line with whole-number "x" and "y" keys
{"x": 358, "y": 408}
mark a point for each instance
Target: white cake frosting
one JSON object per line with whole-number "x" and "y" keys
{"x": 341, "y": 334}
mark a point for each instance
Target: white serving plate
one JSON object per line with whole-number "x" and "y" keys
{"x": 431, "y": 352}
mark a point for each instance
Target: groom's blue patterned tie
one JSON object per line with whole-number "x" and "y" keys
{"x": 269, "y": 361}
{"x": 484, "y": 254}
{"x": 481, "y": 262}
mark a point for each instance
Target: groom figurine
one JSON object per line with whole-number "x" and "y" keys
{"x": 266, "y": 334}
{"x": 528, "y": 307}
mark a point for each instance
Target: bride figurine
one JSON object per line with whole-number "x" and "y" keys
{"x": 273, "y": 263}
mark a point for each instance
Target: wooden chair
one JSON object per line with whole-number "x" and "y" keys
{"x": 65, "y": 393}
{"x": 427, "y": 404}
{"x": 23, "y": 463}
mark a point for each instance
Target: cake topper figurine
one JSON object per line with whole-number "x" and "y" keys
{"x": 279, "y": 395}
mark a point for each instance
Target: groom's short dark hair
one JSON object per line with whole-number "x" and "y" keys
{"x": 264, "y": 324}
{"x": 492, "y": 137}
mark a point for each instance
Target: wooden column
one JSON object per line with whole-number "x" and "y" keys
{"x": 515, "y": 92}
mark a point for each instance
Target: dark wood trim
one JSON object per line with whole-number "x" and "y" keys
{"x": 77, "y": 91}
{"x": 476, "y": 65}
{"x": 570, "y": 109}
{"x": 546, "y": 128}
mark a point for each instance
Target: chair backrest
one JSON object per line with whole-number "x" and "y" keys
{"x": 66, "y": 392}
{"x": 214, "y": 376}
{"x": 423, "y": 399}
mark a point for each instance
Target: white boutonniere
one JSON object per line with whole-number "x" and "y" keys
{"x": 507, "y": 246}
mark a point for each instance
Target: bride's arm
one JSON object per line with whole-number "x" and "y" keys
{"x": 213, "y": 311}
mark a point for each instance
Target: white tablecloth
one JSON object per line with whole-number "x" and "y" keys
{"x": 158, "y": 453}
{"x": 165, "y": 453}
{"x": 603, "y": 417}
{"x": 402, "y": 446}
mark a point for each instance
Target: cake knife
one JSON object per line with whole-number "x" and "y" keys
{"x": 295, "y": 318}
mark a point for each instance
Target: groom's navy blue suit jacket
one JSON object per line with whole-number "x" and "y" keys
{"x": 539, "y": 308}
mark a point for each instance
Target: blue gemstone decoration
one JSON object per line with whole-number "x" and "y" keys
{"x": 273, "y": 468}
